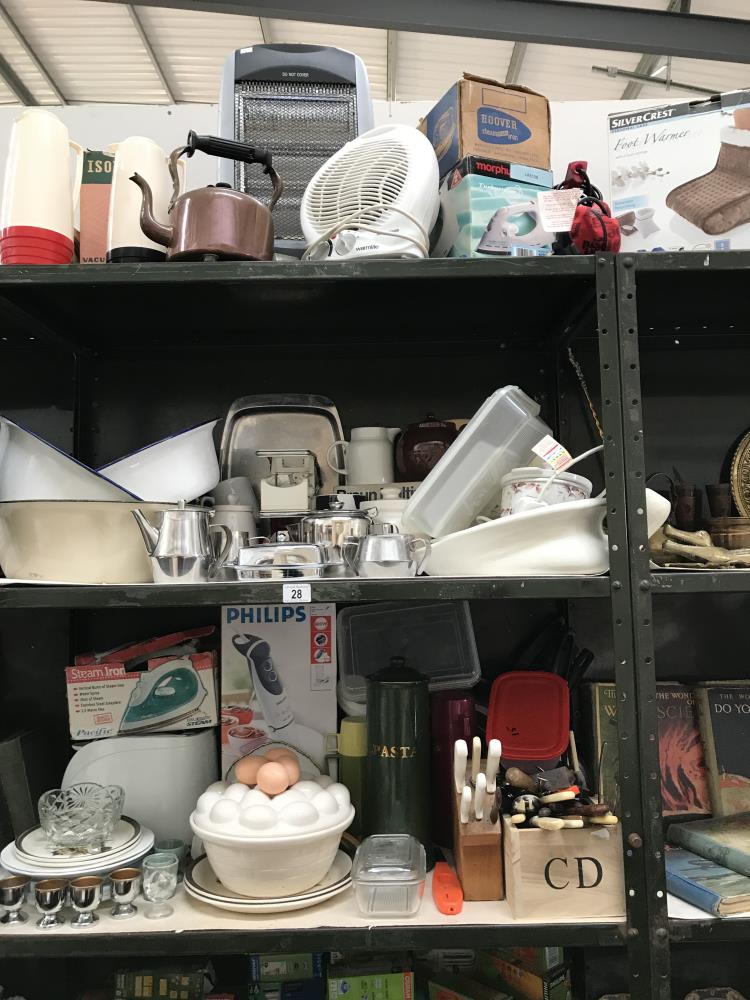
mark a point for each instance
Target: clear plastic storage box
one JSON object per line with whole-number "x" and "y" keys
{"x": 435, "y": 638}
{"x": 466, "y": 481}
{"x": 389, "y": 875}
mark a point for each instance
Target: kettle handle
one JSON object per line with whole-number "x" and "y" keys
{"x": 420, "y": 556}
{"x": 337, "y": 444}
{"x": 219, "y": 561}
{"x": 228, "y": 149}
{"x": 77, "y": 175}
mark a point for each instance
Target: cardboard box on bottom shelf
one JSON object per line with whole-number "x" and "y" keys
{"x": 680, "y": 174}
{"x": 306, "y": 989}
{"x": 568, "y": 873}
{"x": 489, "y": 209}
{"x": 482, "y": 117}
{"x": 373, "y": 986}
{"x": 449, "y": 986}
{"x": 157, "y": 685}
{"x": 537, "y": 960}
{"x": 278, "y": 679}
{"x": 188, "y": 981}
{"x": 285, "y": 968}
{"x": 552, "y": 985}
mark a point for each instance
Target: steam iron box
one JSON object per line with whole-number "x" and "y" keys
{"x": 278, "y": 680}
{"x": 489, "y": 208}
{"x": 161, "y": 685}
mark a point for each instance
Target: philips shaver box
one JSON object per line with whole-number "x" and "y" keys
{"x": 278, "y": 679}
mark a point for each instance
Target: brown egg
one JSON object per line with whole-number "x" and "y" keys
{"x": 272, "y": 778}
{"x": 291, "y": 767}
{"x": 277, "y": 753}
{"x": 246, "y": 771}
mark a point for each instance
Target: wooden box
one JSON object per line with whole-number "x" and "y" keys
{"x": 554, "y": 874}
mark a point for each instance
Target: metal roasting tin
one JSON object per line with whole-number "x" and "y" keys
{"x": 277, "y": 422}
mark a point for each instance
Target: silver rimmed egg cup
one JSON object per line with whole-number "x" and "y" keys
{"x": 85, "y": 897}
{"x": 12, "y": 897}
{"x": 50, "y": 895}
{"x": 126, "y": 884}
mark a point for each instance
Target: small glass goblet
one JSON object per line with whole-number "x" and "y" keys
{"x": 159, "y": 883}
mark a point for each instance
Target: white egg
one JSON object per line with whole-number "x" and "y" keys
{"x": 325, "y": 803}
{"x": 253, "y": 797}
{"x": 324, "y": 781}
{"x": 218, "y": 786}
{"x": 225, "y": 811}
{"x": 341, "y": 794}
{"x": 259, "y": 817}
{"x": 206, "y": 802}
{"x": 235, "y": 792}
{"x": 279, "y": 802}
{"x": 300, "y": 814}
{"x": 308, "y": 788}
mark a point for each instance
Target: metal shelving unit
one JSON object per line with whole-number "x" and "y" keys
{"x": 682, "y": 332}
{"x": 101, "y": 359}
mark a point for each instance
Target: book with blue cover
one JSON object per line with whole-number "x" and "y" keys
{"x": 706, "y": 884}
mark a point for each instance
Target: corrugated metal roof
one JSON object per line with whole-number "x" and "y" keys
{"x": 94, "y": 53}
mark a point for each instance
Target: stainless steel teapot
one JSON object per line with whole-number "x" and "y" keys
{"x": 180, "y": 548}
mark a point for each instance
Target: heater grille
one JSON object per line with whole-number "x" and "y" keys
{"x": 373, "y": 174}
{"x": 303, "y": 124}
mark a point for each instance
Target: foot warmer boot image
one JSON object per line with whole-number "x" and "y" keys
{"x": 720, "y": 200}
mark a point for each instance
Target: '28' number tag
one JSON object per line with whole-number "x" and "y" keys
{"x": 296, "y": 593}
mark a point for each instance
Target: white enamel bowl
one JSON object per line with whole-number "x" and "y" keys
{"x": 272, "y": 866}
{"x": 565, "y": 540}
{"x": 181, "y": 467}
{"x": 33, "y": 469}
{"x": 77, "y": 541}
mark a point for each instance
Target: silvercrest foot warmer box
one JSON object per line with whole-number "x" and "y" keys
{"x": 564, "y": 874}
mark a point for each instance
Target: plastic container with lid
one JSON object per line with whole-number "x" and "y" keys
{"x": 436, "y": 639}
{"x": 466, "y": 480}
{"x": 389, "y": 875}
{"x": 529, "y": 712}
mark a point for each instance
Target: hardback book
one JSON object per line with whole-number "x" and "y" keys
{"x": 724, "y": 717}
{"x": 706, "y": 884}
{"x": 684, "y": 785}
{"x": 724, "y": 840}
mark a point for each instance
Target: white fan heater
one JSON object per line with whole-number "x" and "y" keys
{"x": 376, "y": 197}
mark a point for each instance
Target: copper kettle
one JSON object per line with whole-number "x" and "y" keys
{"x": 215, "y": 222}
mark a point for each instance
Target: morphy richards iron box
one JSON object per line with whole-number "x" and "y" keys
{"x": 161, "y": 685}
{"x": 489, "y": 209}
{"x": 278, "y": 679}
{"x": 680, "y": 175}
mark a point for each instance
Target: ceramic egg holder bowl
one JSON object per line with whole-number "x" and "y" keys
{"x": 269, "y": 833}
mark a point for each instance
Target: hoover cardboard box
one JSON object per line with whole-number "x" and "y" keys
{"x": 481, "y": 117}
{"x": 680, "y": 175}
{"x": 278, "y": 679}
{"x": 134, "y": 689}
{"x": 489, "y": 208}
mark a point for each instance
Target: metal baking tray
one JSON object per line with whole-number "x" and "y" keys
{"x": 276, "y": 423}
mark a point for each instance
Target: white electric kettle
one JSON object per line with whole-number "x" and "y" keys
{"x": 38, "y": 207}
{"x": 126, "y": 241}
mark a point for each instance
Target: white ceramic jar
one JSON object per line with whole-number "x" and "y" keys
{"x": 529, "y": 482}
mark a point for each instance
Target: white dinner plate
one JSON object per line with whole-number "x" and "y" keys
{"x": 34, "y": 847}
{"x": 202, "y": 884}
{"x": 95, "y": 865}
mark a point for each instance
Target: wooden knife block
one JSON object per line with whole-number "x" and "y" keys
{"x": 477, "y": 847}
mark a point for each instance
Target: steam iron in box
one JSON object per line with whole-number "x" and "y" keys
{"x": 513, "y": 225}
{"x": 214, "y": 223}
{"x": 273, "y": 699}
{"x": 162, "y": 696}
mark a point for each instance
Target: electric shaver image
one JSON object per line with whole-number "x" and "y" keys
{"x": 269, "y": 690}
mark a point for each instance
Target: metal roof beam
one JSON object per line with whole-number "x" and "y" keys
{"x": 545, "y": 22}
{"x": 21, "y": 39}
{"x": 516, "y": 62}
{"x": 146, "y": 41}
{"x": 265, "y": 30}
{"x": 16, "y": 84}
{"x": 647, "y": 64}
{"x": 616, "y": 71}
{"x": 391, "y": 66}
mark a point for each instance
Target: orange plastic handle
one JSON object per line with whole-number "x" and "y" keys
{"x": 446, "y": 889}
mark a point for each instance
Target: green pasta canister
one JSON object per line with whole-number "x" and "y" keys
{"x": 398, "y": 753}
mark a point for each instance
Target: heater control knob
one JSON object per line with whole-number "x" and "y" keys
{"x": 344, "y": 243}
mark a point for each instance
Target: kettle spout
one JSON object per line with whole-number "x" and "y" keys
{"x": 150, "y": 534}
{"x": 150, "y": 226}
